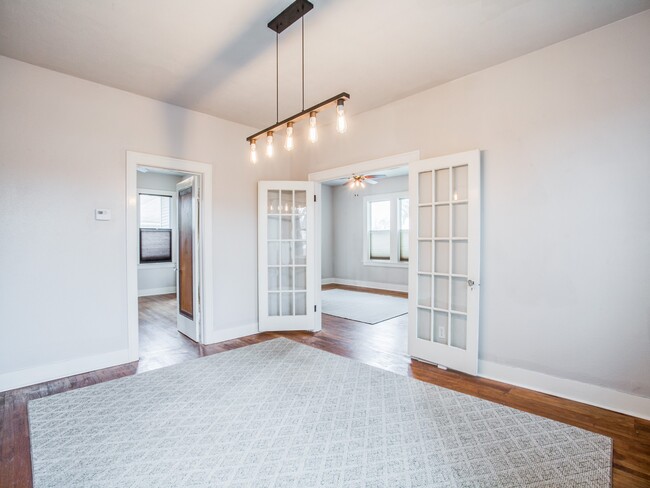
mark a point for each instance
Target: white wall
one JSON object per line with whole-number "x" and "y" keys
{"x": 63, "y": 144}
{"x": 565, "y": 134}
{"x": 347, "y": 216}
{"x": 158, "y": 278}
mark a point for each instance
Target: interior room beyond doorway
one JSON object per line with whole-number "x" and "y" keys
{"x": 365, "y": 224}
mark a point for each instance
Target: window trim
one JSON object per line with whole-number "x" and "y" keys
{"x": 394, "y": 261}
{"x": 173, "y": 223}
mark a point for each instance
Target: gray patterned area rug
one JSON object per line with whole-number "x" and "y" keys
{"x": 282, "y": 414}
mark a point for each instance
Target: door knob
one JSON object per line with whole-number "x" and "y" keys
{"x": 470, "y": 283}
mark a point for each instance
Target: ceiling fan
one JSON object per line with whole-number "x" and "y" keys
{"x": 356, "y": 181}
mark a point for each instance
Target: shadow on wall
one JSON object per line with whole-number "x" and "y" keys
{"x": 240, "y": 51}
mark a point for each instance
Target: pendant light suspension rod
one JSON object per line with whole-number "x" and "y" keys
{"x": 302, "y": 22}
{"x": 277, "y": 77}
{"x": 330, "y": 102}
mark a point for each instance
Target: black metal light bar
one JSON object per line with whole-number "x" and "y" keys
{"x": 289, "y": 15}
{"x": 302, "y": 115}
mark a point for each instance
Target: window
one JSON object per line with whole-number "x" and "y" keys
{"x": 155, "y": 228}
{"x": 387, "y": 229}
{"x": 380, "y": 230}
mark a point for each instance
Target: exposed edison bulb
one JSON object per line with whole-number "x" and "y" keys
{"x": 288, "y": 143}
{"x": 341, "y": 123}
{"x": 313, "y": 131}
{"x": 269, "y": 144}
{"x": 253, "y": 152}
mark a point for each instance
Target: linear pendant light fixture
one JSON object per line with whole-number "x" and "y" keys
{"x": 294, "y": 12}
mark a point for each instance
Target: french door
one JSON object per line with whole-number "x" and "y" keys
{"x": 444, "y": 268}
{"x": 288, "y": 256}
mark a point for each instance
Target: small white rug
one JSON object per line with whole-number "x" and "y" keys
{"x": 370, "y": 308}
{"x": 282, "y": 414}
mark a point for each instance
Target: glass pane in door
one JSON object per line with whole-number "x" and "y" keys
{"x": 459, "y": 294}
{"x": 424, "y": 187}
{"x": 273, "y": 202}
{"x": 424, "y": 324}
{"x": 300, "y": 200}
{"x": 458, "y": 330}
{"x": 442, "y": 185}
{"x": 460, "y": 183}
{"x": 440, "y": 327}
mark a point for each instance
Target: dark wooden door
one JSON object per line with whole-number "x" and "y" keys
{"x": 185, "y": 254}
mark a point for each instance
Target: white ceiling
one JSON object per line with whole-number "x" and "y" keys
{"x": 218, "y": 57}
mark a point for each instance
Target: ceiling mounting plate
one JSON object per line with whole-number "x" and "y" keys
{"x": 289, "y": 15}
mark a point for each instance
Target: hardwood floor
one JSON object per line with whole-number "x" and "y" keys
{"x": 382, "y": 345}
{"x": 160, "y": 342}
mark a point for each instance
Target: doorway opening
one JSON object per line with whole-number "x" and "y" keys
{"x": 165, "y": 264}
{"x": 169, "y": 245}
{"x": 365, "y": 249}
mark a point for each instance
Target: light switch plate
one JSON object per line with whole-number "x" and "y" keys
{"x": 102, "y": 214}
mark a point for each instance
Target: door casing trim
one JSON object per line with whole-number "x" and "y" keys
{"x": 206, "y": 308}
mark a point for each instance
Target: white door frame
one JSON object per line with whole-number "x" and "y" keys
{"x": 204, "y": 170}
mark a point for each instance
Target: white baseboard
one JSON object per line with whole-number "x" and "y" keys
{"x": 232, "y": 333}
{"x": 597, "y": 396}
{"x": 156, "y": 291}
{"x": 366, "y": 284}
{"x": 48, "y": 372}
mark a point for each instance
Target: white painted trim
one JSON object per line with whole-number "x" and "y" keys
{"x": 156, "y": 291}
{"x": 389, "y": 162}
{"x": 597, "y": 396}
{"x": 133, "y": 160}
{"x": 221, "y": 335}
{"x": 49, "y": 372}
{"x": 366, "y": 284}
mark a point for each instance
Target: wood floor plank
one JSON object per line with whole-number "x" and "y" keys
{"x": 382, "y": 345}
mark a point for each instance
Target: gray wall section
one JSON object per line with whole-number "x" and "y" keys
{"x": 342, "y": 237}
{"x": 327, "y": 233}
